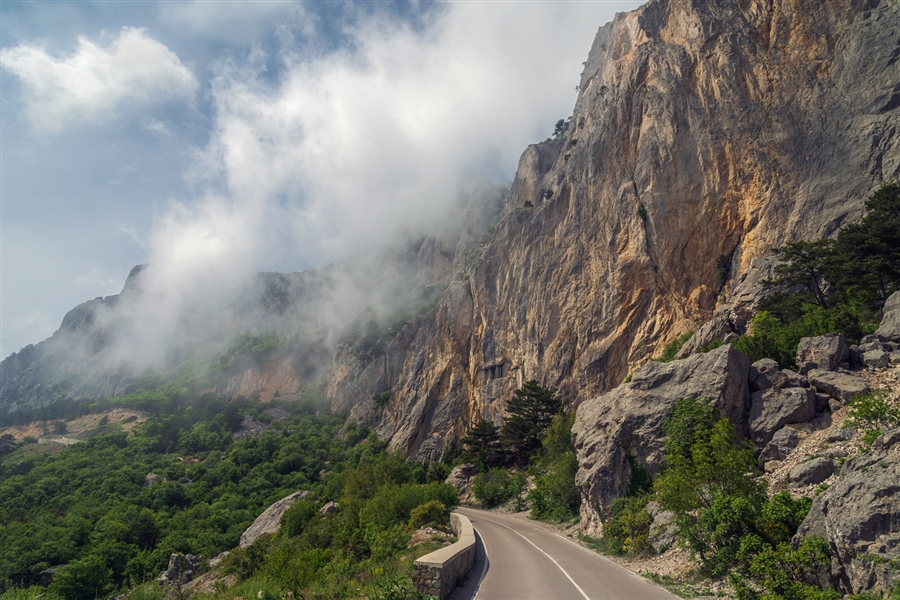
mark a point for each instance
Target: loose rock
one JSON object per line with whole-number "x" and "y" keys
{"x": 824, "y": 352}
{"x": 812, "y": 472}
{"x": 784, "y": 440}
{"x": 840, "y": 386}
{"x": 839, "y": 434}
{"x": 772, "y": 409}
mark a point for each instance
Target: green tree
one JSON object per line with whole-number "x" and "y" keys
{"x": 710, "y": 484}
{"x": 868, "y": 253}
{"x": 481, "y": 445}
{"x": 804, "y": 264}
{"x": 529, "y": 413}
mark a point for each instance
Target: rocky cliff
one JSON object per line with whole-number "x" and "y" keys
{"x": 704, "y": 134}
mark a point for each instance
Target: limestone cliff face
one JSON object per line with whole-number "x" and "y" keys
{"x": 705, "y": 133}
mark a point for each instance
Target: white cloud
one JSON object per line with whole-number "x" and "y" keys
{"x": 355, "y": 148}
{"x": 358, "y": 145}
{"x": 93, "y": 83}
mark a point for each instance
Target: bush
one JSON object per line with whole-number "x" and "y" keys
{"x": 492, "y": 488}
{"x": 297, "y": 516}
{"x": 709, "y": 484}
{"x": 627, "y": 531}
{"x": 432, "y": 512}
{"x": 873, "y": 412}
{"x": 555, "y": 496}
{"x": 673, "y": 347}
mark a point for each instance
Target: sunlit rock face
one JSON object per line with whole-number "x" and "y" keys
{"x": 705, "y": 133}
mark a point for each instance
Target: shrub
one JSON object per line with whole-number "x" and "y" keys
{"x": 491, "y": 488}
{"x": 709, "y": 484}
{"x": 716, "y": 343}
{"x": 672, "y": 348}
{"x": 294, "y": 520}
{"x": 627, "y": 531}
{"x": 873, "y": 412}
{"x": 793, "y": 574}
{"x": 432, "y": 512}
{"x": 555, "y": 495}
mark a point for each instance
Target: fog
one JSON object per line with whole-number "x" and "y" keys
{"x": 334, "y": 155}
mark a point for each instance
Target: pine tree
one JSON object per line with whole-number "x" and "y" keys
{"x": 482, "y": 445}
{"x": 529, "y": 413}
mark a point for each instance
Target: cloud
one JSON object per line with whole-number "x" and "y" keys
{"x": 93, "y": 83}
{"x": 359, "y": 145}
{"x": 339, "y": 151}
{"x": 356, "y": 148}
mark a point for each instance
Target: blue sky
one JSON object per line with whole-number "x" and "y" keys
{"x": 215, "y": 139}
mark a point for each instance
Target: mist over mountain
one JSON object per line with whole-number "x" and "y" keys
{"x": 703, "y": 136}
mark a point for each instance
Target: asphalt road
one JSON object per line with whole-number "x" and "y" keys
{"x": 517, "y": 559}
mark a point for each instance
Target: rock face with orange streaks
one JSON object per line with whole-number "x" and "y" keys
{"x": 704, "y": 134}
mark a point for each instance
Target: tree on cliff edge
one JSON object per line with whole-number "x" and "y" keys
{"x": 528, "y": 414}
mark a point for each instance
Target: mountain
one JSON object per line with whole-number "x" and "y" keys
{"x": 704, "y": 135}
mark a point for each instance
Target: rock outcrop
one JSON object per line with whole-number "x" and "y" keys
{"x": 704, "y": 134}
{"x": 889, "y": 331}
{"x": 270, "y": 520}
{"x": 825, "y": 352}
{"x": 859, "y": 516}
{"x": 629, "y": 421}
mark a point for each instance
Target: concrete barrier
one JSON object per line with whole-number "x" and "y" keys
{"x": 439, "y": 572}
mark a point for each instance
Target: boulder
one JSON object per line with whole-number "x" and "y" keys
{"x": 329, "y": 508}
{"x": 772, "y": 409}
{"x": 461, "y": 478}
{"x": 628, "y": 421}
{"x": 823, "y": 403}
{"x": 784, "y": 440}
{"x": 889, "y": 331}
{"x": 270, "y": 520}
{"x": 859, "y": 517}
{"x": 152, "y": 478}
{"x": 824, "y": 352}
{"x": 765, "y": 374}
{"x": 812, "y": 472}
{"x": 876, "y": 359}
{"x": 840, "y": 386}
{"x": 663, "y": 531}
{"x": 839, "y": 434}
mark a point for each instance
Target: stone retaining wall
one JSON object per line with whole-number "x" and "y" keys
{"x": 439, "y": 572}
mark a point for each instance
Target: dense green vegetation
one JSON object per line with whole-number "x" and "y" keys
{"x": 165, "y": 392}
{"x": 536, "y": 437}
{"x": 830, "y": 285}
{"x": 723, "y": 513}
{"x": 93, "y": 508}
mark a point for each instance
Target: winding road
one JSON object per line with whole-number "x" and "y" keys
{"x": 517, "y": 559}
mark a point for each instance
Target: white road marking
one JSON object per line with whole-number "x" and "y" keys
{"x": 569, "y": 577}
{"x": 483, "y": 570}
